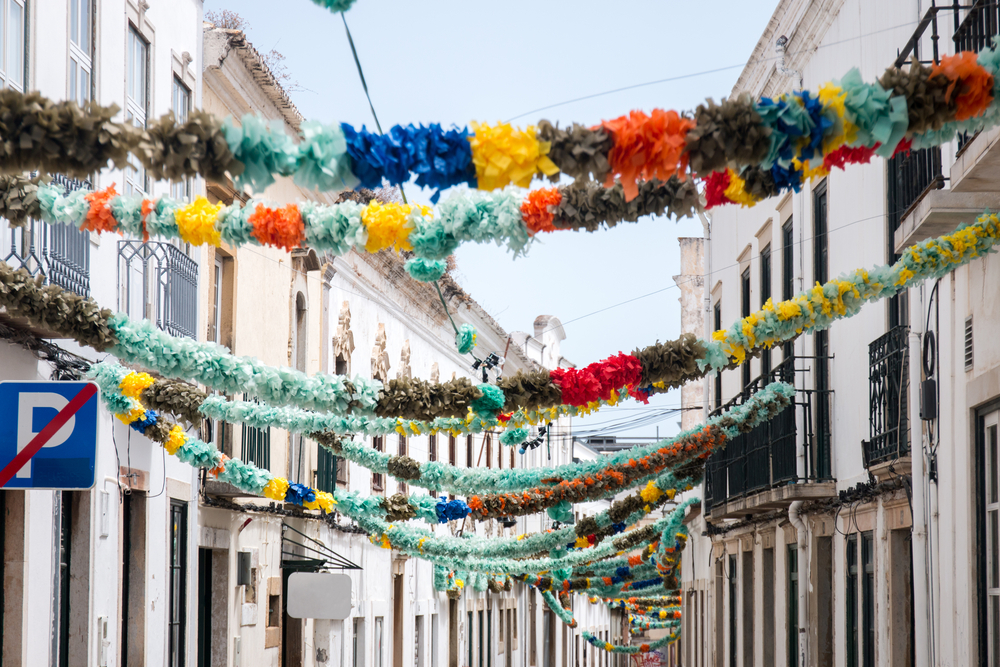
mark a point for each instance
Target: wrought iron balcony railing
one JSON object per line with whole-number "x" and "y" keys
{"x": 888, "y": 390}
{"x": 158, "y": 282}
{"x": 59, "y": 253}
{"x": 975, "y": 33}
{"x": 766, "y": 457}
{"x": 910, "y": 176}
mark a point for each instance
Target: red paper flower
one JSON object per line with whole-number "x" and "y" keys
{"x": 715, "y": 189}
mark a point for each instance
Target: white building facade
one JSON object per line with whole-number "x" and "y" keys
{"x": 843, "y": 532}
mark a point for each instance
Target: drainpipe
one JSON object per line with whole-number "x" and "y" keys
{"x": 921, "y": 608}
{"x": 802, "y": 553}
{"x": 706, "y": 222}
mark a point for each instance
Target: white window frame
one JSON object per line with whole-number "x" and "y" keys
{"x": 19, "y": 49}
{"x": 81, "y": 51}
{"x": 136, "y": 108}
{"x": 180, "y": 104}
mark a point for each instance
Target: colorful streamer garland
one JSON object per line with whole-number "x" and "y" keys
{"x": 746, "y": 149}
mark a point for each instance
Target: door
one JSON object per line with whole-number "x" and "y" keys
{"x": 204, "y": 607}
{"x": 990, "y": 532}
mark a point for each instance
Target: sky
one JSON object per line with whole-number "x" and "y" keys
{"x": 452, "y": 62}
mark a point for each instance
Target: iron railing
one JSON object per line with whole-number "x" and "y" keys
{"x": 911, "y": 175}
{"x": 766, "y": 457}
{"x": 158, "y": 282}
{"x": 59, "y": 253}
{"x": 975, "y": 33}
{"x": 888, "y": 388}
{"x": 255, "y": 443}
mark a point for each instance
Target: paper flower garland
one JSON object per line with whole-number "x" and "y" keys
{"x": 465, "y": 339}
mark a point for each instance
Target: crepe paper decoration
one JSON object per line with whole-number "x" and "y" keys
{"x": 513, "y": 437}
{"x": 336, "y": 6}
{"x": 647, "y": 146}
{"x": 817, "y": 308}
{"x": 426, "y": 270}
{"x": 278, "y": 227}
{"x": 596, "y": 381}
{"x": 389, "y": 225}
{"x": 264, "y": 148}
{"x": 465, "y": 339}
{"x": 537, "y": 209}
{"x": 196, "y": 222}
{"x": 99, "y": 218}
{"x": 591, "y": 206}
{"x": 597, "y": 642}
{"x": 729, "y": 134}
{"x": 440, "y": 158}
{"x": 491, "y": 401}
{"x": 133, "y": 384}
{"x": 324, "y": 163}
{"x": 971, "y": 84}
{"x": 580, "y": 152}
{"x": 504, "y": 155}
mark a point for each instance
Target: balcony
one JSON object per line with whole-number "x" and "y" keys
{"x": 888, "y": 392}
{"x": 758, "y": 471}
{"x": 58, "y": 253}
{"x": 158, "y": 282}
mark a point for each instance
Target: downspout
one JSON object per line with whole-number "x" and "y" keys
{"x": 921, "y": 608}
{"x": 802, "y": 554}
{"x": 706, "y": 223}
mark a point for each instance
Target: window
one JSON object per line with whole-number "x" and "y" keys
{"x": 378, "y": 444}
{"x": 326, "y": 470}
{"x": 745, "y": 312}
{"x": 80, "y": 54}
{"x": 215, "y": 325}
{"x": 358, "y": 643}
{"x": 851, "y": 600}
{"x": 471, "y": 637}
{"x": 821, "y": 339}
{"x": 12, "y": 44}
{"x": 988, "y": 493}
{"x": 733, "y": 592}
{"x": 717, "y": 323}
{"x": 178, "y": 583}
{"x": 787, "y": 273}
{"x": 180, "y": 104}
{"x": 401, "y": 450}
{"x": 765, "y": 296}
{"x": 65, "y": 573}
{"x": 136, "y": 103}
{"x": 379, "y": 628}
{"x": 793, "y": 605}
{"x": 868, "y": 599}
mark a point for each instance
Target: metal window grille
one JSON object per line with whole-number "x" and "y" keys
{"x": 910, "y": 176}
{"x": 888, "y": 387}
{"x": 58, "y": 253}
{"x": 256, "y": 443}
{"x": 158, "y": 282}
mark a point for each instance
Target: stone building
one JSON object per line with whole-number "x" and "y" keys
{"x": 842, "y": 532}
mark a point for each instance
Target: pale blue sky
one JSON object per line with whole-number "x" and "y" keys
{"x": 452, "y": 62}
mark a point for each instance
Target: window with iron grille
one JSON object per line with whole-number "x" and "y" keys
{"x": 178, "y": 584}
{"x": 402, "y": 449}
{"x": 255, "y": 444}
{"x": 378, "y": 444}
{"x": 745, "y": 312}
{"x": 765, "y": 296}
{"x": 821, "y": 340}
{"x": 788, "y": 273}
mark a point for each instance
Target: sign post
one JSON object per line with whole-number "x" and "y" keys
{"x": 48, "y": 435}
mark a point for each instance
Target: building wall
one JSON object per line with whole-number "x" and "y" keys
{"x": 826, "y": 38}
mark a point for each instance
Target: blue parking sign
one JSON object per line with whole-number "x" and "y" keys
{"x": 48, "y": 435}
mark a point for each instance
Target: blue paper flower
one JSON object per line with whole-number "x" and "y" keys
{"x": 299, "y": 494}
{"x": 451, "y": 510}
{"x": 148, "y": 420}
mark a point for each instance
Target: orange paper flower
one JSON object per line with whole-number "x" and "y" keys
{"x": 974, "y": 85}
{"x": 535, "y": 209}
{"x": 647, "y": 146}
{"x": 278, "y": 227}
{"x": 147, "y": 207}
{"x": 99, "y": 218}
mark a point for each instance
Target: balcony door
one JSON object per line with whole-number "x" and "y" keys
{"x": 988, "y": 488}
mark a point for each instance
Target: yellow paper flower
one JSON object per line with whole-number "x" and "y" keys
{"x": 323, "y": 501}
{"x": 175, "y": 440}
{"x": 389, "y": 225}
{"x": 196, "y": 222}
{"x": 833, "y": 97}
{"x": 504, "y": 154}
{"x": 904, "y": 275}
{"x": 133, "y": 384}
{"x": 276, "y": 488}
{"x": 809, "y": 173}
{"x": 651, "y": 493}
{"x": 581, "y": 543}
{"x": 135, "y": 414}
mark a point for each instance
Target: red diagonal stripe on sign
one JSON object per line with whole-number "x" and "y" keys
{"x": 47, "y": 433}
